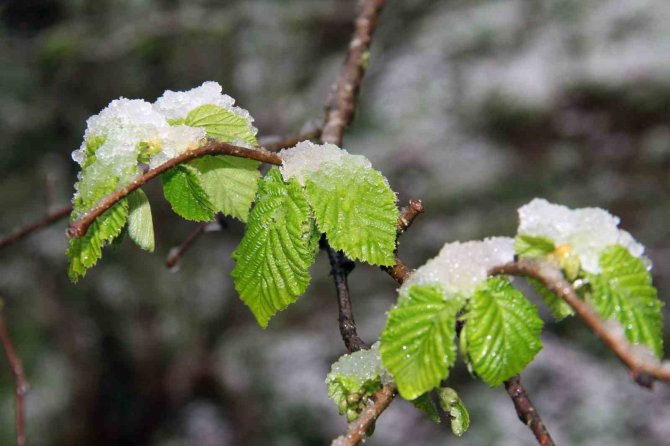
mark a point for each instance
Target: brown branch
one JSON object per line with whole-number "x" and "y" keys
{"x": 340, "y": 269}
{"x": 357, "y": 430}
{"x": 292, "y": 141}
{"x": 20, "y": 233}
{"x": 643, "y": 370}
{"x": 341, "y": 107}
{"x": 20, "y": 383}
{"x": 176, "y": 253}
{"x": 79, "y": 227}
{"x": 527, "y": 412}
{"x": 408, "y": 214}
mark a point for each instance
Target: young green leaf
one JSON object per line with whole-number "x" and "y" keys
{"x": 85, "y": 251}
{"x": 276, "y": 251}
{"x": 140, "y": 223}
{"x": 417, "y": 344}
{"x": 230, "y": 183}
{"x": 356, "y": 209}
{"x": 182, "y": 187}
{"x": 502, "y": 331}
{"x": 452, "y": 405}
{"x": 425, "y": 404}
{"x": 532, "y": 246}
{"x": 221, "y": 124}
{"x": 558, "y": 307}
{"x": 623, "y": 291}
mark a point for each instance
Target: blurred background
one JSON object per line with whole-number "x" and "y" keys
{"x": 475, "y": 107}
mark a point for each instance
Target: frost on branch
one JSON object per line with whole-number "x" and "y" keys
{"x": 460, "y": 267}
{"x": 586, "y": 231}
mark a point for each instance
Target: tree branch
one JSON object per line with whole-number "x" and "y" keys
{"x": 643, "y": 368}
{"x": 292, "y": 141}
{"x": 341, "y": 106}
{"x": 79, "y": 227}
{"x": 527, "y": 412}
{"x": 20, "y": 383}
{"x": 20, "y": 233}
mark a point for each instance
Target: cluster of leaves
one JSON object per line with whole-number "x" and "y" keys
{"x": 500, "y": 329}
{"x": 196, "y": 191}
{"x": 350, "y": 202}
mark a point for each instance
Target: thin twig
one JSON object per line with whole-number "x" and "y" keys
{"x": 20, "y": 383}
{"x": 25, "y": 231}
{"x": 527, "y": 412}
{"x": 357, "y": 430}
{"x": 643, "y": 370}
{"x": 292, "y": 141}
{"x": 341, "y": 106}
{"x": 399, "y": 271}
{"x": 176, "y": 253}
{"x": 79, "y": 227}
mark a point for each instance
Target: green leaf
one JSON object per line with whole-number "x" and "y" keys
{"x": 452, "y": 405}
{"x": 418, "y": 341}
{"x": 425, "y": 404}
{"x": 230, "y": 182}
{"x": 275, "y": 253}
{"x": 84, "y": 252}
{"x": 220, "y": 124}
{"x": 558, "y": 307}
{"x": 182, "y": 187}
{"x": 353, "y": 378}
{"x": 356, "y": 209}
{"x": 140, "y": 223}
{"x": 532, "y": 246}
{"x": 623, "y": 291}
{"x": 502, "y": 331}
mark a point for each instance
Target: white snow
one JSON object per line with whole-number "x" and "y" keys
{"x": 460, "y": 267}
{"x": 306, "y": 157}
{"x": 588, "y": 231}
{"x": 175, "y": 141}
{"x": 125, "y": 123}
{"x": 361, "y": 366}
{"x": 178, "y": 104}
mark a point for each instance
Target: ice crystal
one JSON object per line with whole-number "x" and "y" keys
{"x": 587, "y": 231}
{"x": 460, "y": 267}
{"x": 360, "y": 367}
{"x": 306, "y": 157}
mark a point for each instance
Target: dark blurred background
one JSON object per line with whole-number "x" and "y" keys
{"x": 475, "y": 107}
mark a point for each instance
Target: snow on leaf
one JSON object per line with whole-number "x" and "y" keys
{"x": 587, "y": 231}
{"x": 460, "y": 268}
